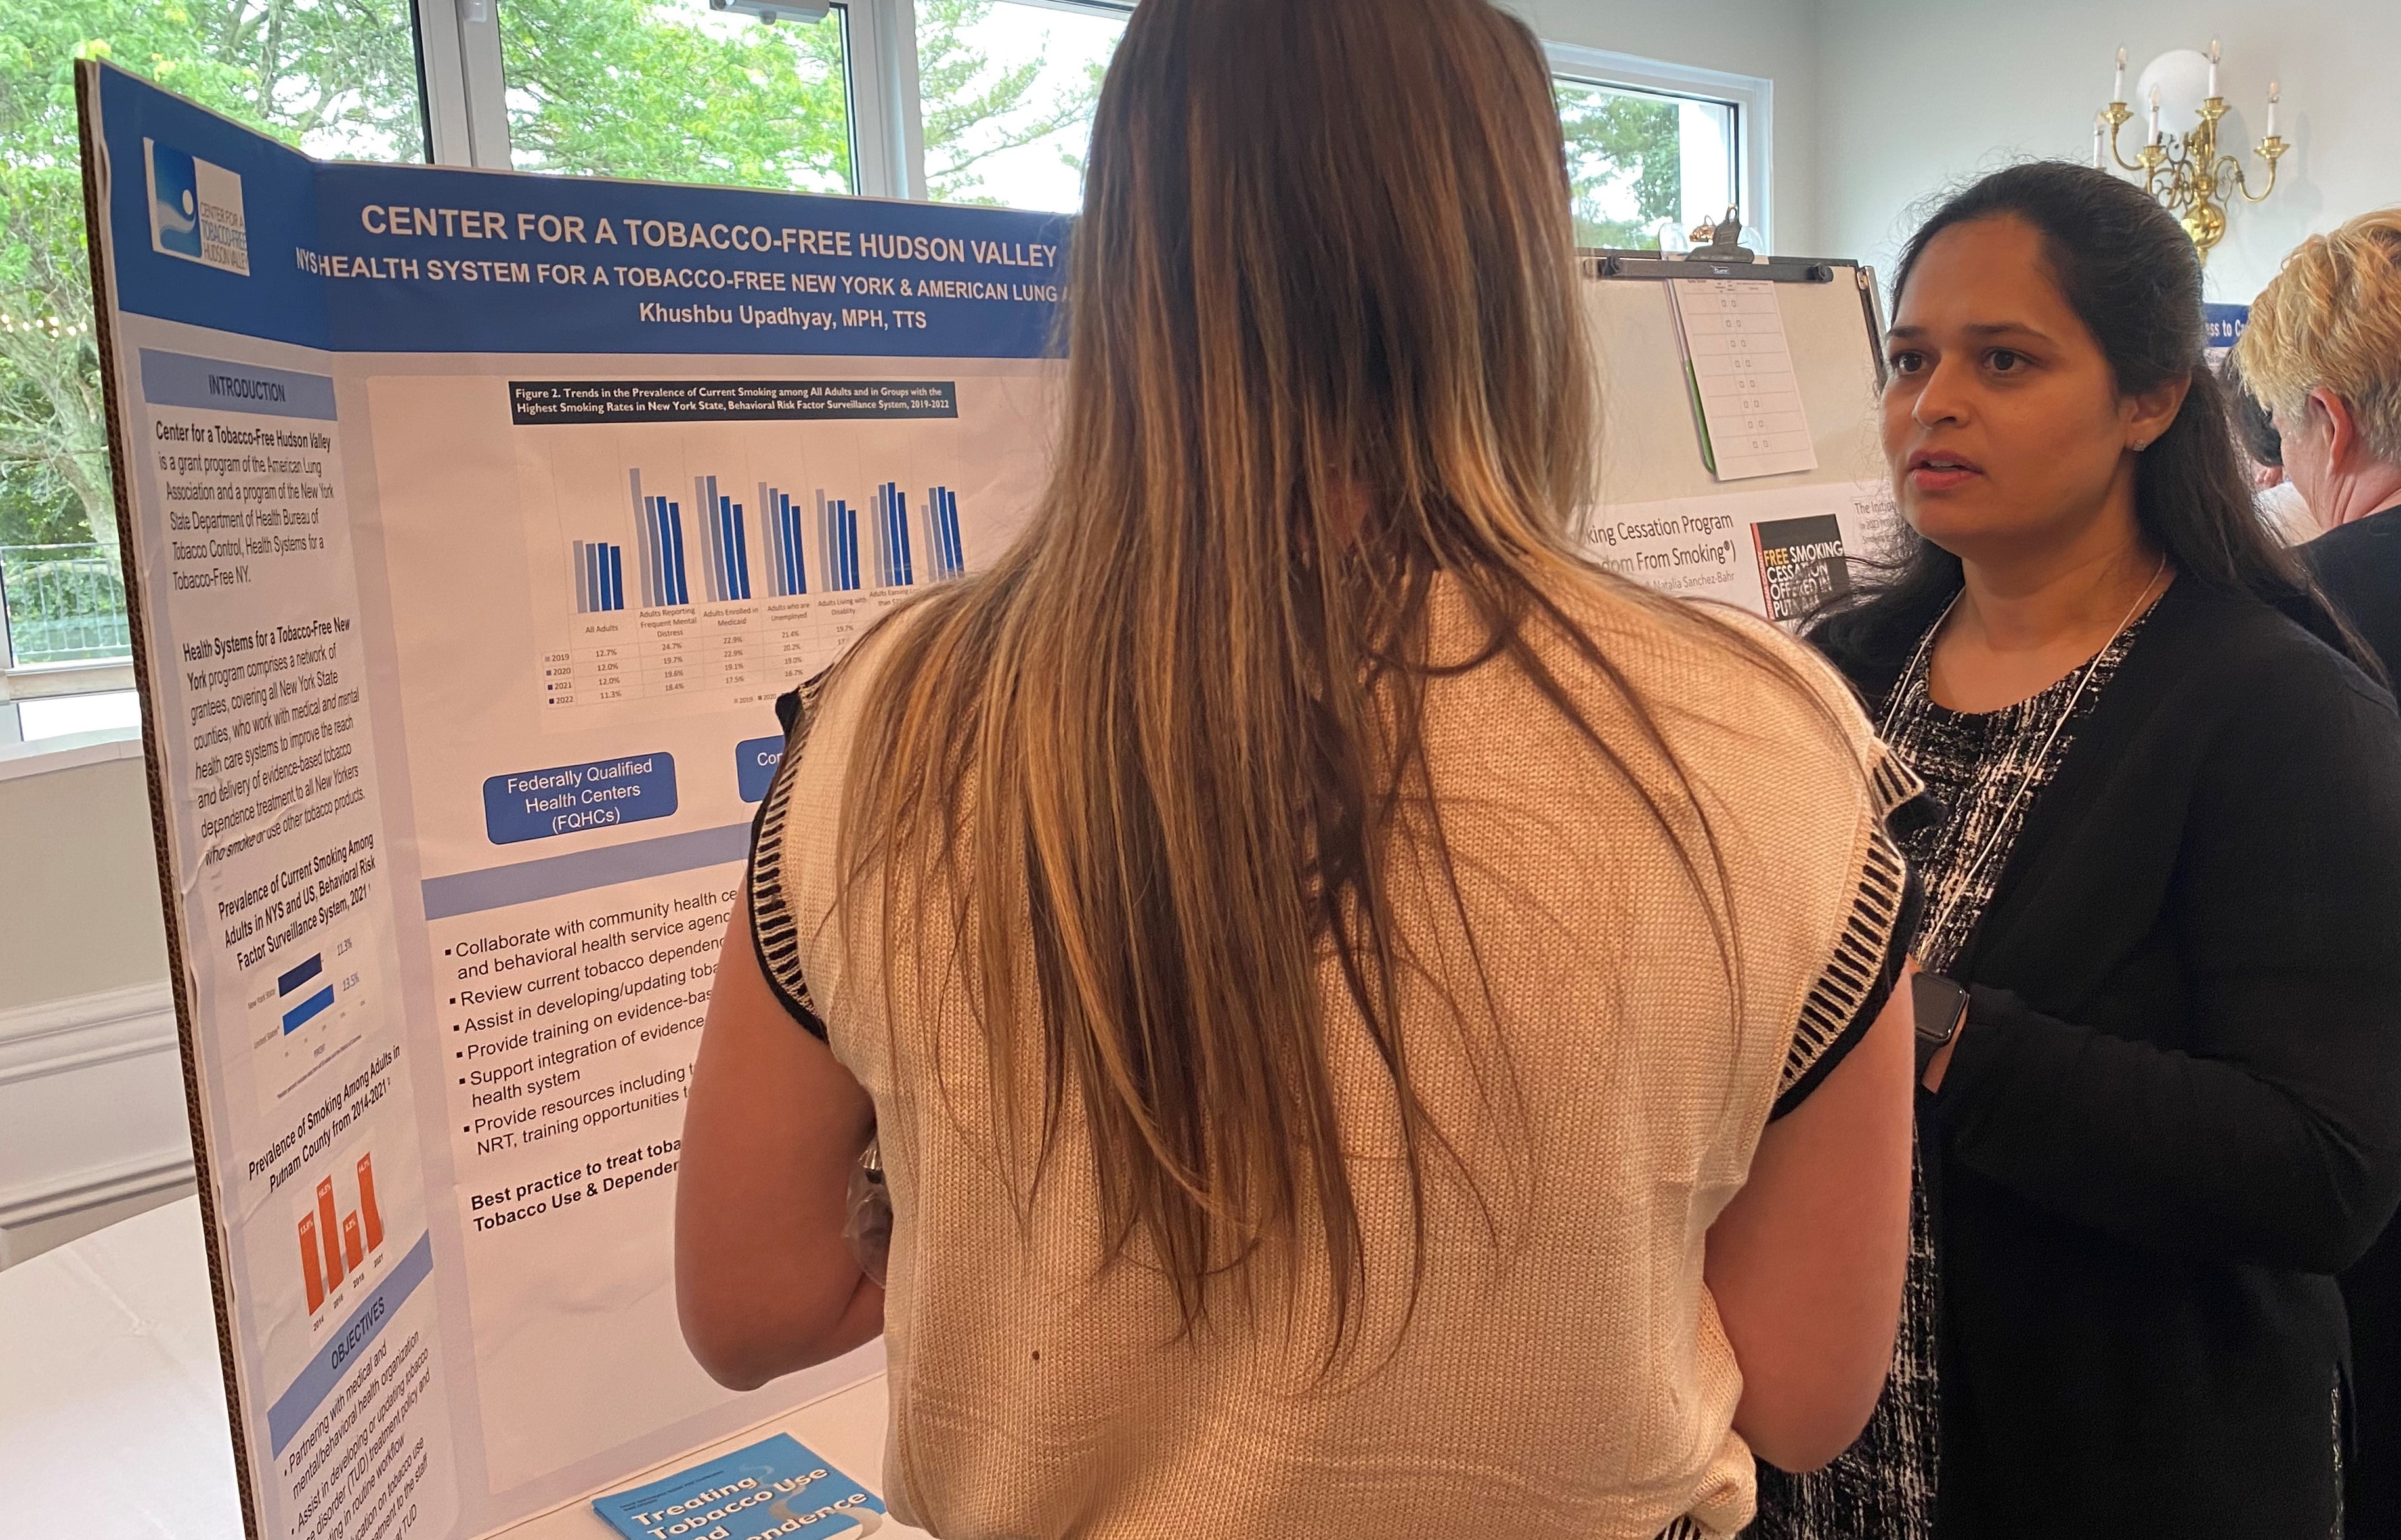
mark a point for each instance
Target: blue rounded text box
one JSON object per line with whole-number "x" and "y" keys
{"x": 754, "y": 765}
{"x": 597, "y": 794}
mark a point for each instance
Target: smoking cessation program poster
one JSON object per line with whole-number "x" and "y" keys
{"x": 473, "y": 523}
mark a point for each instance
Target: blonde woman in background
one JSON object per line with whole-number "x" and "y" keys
{"x": 1368, "y": 1022}
{"x": 2322, "y": 351}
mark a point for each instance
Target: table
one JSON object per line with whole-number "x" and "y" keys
{"x": 113, "y": 1412}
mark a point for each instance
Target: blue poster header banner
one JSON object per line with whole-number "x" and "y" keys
{"x": 218, "y": 227}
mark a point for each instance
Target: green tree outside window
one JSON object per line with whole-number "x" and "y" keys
{"x": 661, "y": 89}
{"x": 1624, "y": 170}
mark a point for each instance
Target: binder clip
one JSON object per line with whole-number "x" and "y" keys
{"x": 1721, "y": 241}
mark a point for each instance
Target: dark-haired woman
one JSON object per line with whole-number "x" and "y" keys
{"x": 2166, "y": 879}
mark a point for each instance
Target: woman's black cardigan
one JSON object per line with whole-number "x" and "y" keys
{"x": 2175, "y": 1109}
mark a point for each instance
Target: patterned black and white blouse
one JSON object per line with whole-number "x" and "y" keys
{"x": 1985, "y": 770}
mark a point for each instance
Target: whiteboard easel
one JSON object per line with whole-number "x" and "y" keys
{"x": 1662, "y": 517}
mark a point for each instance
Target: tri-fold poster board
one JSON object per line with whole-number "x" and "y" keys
{"x": 472, "y": 522}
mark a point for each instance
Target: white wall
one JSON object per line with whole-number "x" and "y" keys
{"x": 79, "y": 902}
{"x": 1918, "y": 94}
{"x": 1776, "y": 40}
{"x": 91, "y": 1091}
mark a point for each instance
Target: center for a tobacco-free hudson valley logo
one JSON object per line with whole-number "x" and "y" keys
{"x": 195, "y": 209}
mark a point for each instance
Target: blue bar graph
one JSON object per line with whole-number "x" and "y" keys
{"x": 712, "y": 569}
{"x": 900, "y": 542}
{"x": 737, "y": 551}
{"x": 671, "y": 522}
{"x": 300, "y": 1014}
{"x": 892, "y": 564}
{"x": 787, "y": 572}
{"x": 943, "y": 534}
{"x": 599, "y": 577}
{"x": 725, "y": 550}
{"x": 838, "y": 537}
{"x": 297, "y": 978}
{"x": 658, "y": 548}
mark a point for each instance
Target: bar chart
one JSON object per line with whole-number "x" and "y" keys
{"x": 304, "y": 1011}
{"x": 943, "y": 534}
{"x": 838, "y": 527}
{"x": 787, "y": 567}
{"x": 338, "y": 1240}
{"x": 302, "y": 1002}
{"x": 658, "y": 541}
{"x": 893, "y": 567}
{"x": 748, "y": 569}
{"x": 725, "y": 548}
{"x": 599, "y": 578}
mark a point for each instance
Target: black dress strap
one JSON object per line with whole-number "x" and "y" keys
{"x": 774, "y": 929}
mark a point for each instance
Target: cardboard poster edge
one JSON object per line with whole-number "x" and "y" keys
{"x": 98, "y": 178}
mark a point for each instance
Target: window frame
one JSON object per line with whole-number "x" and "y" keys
{"x": 467, "y": 122}
{"x": 1750, "y": 97}
{"x": 466, "y": 107}
{"x": 465, "y": 117}
{"x": 52, "y": 681}
{"x": 466, "y": 90}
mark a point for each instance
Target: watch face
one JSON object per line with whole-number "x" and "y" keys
{"x": 1940, "y": 1005}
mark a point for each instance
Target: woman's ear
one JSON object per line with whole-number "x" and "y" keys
{"x": 2341, "y": 426}
{"x": 2154, "y": 411}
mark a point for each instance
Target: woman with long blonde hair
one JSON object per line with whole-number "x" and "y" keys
{"x": 1362, "y": 1016}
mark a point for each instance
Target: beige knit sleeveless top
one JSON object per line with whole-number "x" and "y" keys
{"x": 1562, "y": 1371}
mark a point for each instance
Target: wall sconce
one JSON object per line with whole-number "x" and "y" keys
{"x": 2184, "y": 169}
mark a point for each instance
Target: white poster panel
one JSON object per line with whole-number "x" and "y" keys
{"x": 474, "y": 523}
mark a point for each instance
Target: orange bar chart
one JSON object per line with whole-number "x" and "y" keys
{"x": 335, "y": 1245}
{"x": 330, "y": 1229}
{"x": 367, "y": 1203}
{"x": 312, "y": 1272}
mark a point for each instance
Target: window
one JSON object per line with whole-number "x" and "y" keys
{"x": 1007, "y": 90}
{"x": 1655, "y": 149}
{"x": 93, "y": 713}
{"x": 1645, "y": 168}
{"x": 670, "y": 91}
{"x": 335, "y": 78}
{"x": 959, "y": 101}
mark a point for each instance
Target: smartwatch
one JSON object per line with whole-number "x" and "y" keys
{"x": 1942, "y": 1010}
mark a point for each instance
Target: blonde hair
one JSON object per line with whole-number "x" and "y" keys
{"x": 2331, "y": 320}
{"x": 1325, "y": 341}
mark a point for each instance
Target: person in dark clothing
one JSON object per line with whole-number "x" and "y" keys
{"x": 2324, "y": 347}
{"x": 2166, "y": 875}
{"x": 2280, "y": 504}
{"x": 2255, "y": 430}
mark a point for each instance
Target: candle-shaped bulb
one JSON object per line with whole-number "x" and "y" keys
{"x": 2213, "y": 66}
{"x": 2155, "y": 114}
{"x": 2096, "y": 142}
{"x": 2273, "y": 96}
{"x": 2118, "y": 91}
